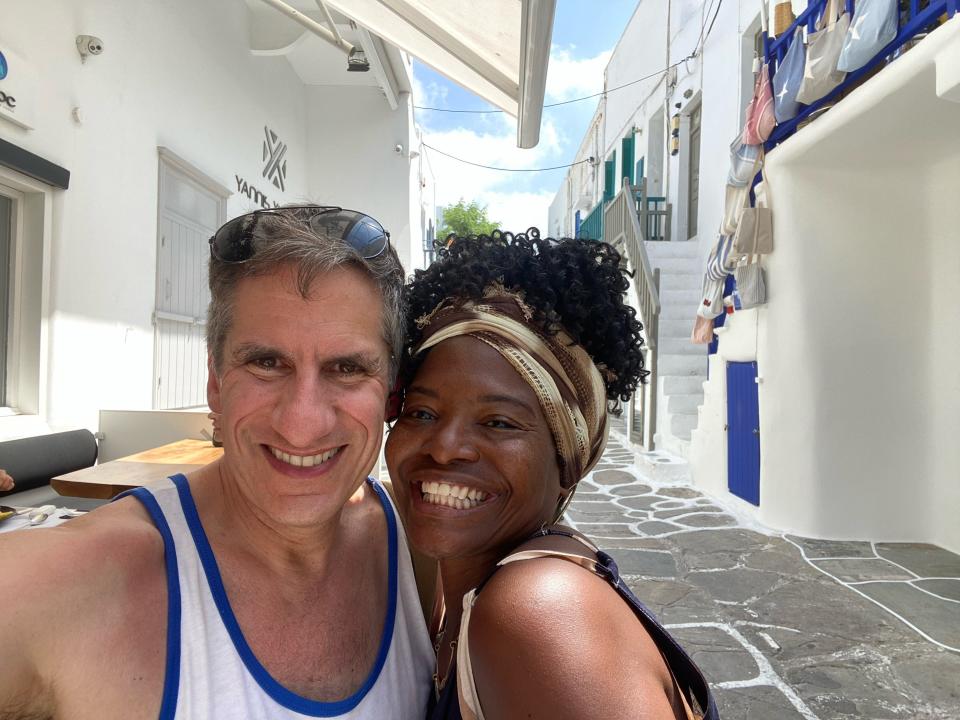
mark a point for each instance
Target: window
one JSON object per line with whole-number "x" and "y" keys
{"x": 7, "y": 239}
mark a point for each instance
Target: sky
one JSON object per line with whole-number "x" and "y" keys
{"x": 584, "y": 34}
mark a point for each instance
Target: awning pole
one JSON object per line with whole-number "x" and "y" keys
{"x": 333, "y": 25}
{"x": 311, "y": 25}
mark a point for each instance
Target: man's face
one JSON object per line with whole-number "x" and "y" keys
{"x": 301, "y": 391}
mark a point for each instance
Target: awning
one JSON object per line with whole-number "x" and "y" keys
{"x": 497, "y": 49}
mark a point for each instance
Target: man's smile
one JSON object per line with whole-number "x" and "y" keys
{"x": 303, "y": 460}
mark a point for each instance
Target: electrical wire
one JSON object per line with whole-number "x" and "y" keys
{"x": 503, "y": 169}
{"x": 574, "y": 100}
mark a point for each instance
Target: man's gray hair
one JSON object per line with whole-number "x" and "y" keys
{"x": 285, "y": 238}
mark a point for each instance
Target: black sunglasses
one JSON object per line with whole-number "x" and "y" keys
{"x": 233, "y": 242}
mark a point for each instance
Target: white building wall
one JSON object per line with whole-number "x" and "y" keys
{"x": 177, "y": 74}
{"x": 352, "y": 159}
{"x": 856, "y": 351}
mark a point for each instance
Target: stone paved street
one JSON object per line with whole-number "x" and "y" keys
{"x": 783, "y": 627}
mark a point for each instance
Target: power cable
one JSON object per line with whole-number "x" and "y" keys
{"x": 503, "y": 169}
{"x": 574, "y": 100}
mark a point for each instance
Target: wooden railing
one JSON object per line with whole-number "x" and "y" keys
{"x": 622, "y": 228}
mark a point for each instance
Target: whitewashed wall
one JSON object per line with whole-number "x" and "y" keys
{"x": 856, "y": 349}
{"x": 176, "y": 74}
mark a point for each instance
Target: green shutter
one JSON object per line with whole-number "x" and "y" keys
{"x": 610, "y": 177}
{"x": 626, "y": 147}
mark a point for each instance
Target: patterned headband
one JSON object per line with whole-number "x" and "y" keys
{"x": 567, "y": 383}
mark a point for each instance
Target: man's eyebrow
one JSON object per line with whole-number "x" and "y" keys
{"x": 372, "y": 362}
{"x": 245, "y": 352}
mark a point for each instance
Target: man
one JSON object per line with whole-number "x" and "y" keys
{"x": 275, "y": 582}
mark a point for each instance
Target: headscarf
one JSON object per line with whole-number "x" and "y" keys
{"x": 566, "y": 381}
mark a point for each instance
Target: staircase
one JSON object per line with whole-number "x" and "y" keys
{"x": 682, "y": 366}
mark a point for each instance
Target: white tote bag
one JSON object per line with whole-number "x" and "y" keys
{"x": 820, "y": 74}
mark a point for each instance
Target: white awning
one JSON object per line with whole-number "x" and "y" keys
{"x": 497, "y": 49}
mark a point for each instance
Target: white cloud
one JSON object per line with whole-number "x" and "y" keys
{"x": 569, "y": 77}
{"x": 509, "y": 197}
{"x": 430, "y": 95}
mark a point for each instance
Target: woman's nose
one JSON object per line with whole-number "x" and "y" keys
{"x": 451, "y": 442}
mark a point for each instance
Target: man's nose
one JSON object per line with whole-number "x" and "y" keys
{"x": 305, "y": 411}
{"x": 450, "y": 442}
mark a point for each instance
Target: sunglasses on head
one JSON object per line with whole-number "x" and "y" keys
{"x": 233, "y": 242}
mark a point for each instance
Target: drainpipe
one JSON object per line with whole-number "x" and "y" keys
{"x": 667, "y": 96}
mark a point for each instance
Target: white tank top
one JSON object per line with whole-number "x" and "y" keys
{"x": 211, "y": 671}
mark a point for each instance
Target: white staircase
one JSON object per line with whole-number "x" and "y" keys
{"x": 681, "y": 365}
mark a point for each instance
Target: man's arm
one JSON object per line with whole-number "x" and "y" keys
{"x": 24, "y": 624}
{"x": 65, "y": 593}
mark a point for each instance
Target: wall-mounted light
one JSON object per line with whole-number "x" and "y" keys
{"x": 88, "y": 45}
{"x": 674, "y": 145}
{"x": 357, "y": 60}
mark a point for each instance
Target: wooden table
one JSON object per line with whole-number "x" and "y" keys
{"x": 108, "y": 479}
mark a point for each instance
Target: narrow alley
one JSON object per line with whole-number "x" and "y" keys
{"x": 784, "y": 627}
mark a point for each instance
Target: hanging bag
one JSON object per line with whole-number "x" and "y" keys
{"x": 745, "y": 161}
{"x": 760, "y": 119}
{"x": 786, "y": 81}
{"x": 874, "y": 26}
{"x": 711, "y": 304}
{"x": 751, "y": 286}
{"x": 754, "y": 234}
{"x": 734, "y": 199}
{"x": 820, "y": 74}
{"x": 721, "y": 260}
{"x": 702, "y": 333}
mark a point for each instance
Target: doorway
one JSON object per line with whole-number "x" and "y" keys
{"x": 743, "y": 431}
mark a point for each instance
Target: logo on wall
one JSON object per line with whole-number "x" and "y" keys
{"x": 4, "y": 68}
{"x": 274, "y": 151}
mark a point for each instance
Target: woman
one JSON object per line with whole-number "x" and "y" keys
{"x": 516, "y": 346}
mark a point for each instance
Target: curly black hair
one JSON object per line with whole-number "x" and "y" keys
{"x": 574, "y": 285}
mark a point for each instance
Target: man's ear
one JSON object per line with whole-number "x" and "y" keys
{"x": 213, "y": 386}
{"x": 394, "y": 403}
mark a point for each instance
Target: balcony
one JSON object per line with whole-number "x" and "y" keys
{"x": 917, "y": 18}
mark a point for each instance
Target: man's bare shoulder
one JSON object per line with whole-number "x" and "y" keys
{"x": 119, "y": 535}
{"x": 62, "y": 586}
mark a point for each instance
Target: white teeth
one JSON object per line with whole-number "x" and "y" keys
{"x": 304, "y": 460}
{"x": 454, "y": 496}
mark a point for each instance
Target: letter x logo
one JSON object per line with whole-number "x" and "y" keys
{"x": 274, "y": 151}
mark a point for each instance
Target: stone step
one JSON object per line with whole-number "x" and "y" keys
{"x": 684, "y": 404}
{"x": 677, "y": 299}
{"x": 682, "y": 425}
{"x": 672, "y": 249}
{"x": 683, "y": 384}
{"x": 675, "y": 265}
{"x": 683, "y": 364}
{"x": 675, "y": 330}
{"x": 681, "y": 346}
{"x": 681, "y": 281}
{"x": 666, "y": 442}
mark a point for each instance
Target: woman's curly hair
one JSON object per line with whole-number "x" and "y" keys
{"x": 574, "y": 285}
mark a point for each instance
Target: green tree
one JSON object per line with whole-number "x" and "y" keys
{"x": 465, "y": 219}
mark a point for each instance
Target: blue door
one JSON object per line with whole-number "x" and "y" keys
{"x": 743, "y": 431}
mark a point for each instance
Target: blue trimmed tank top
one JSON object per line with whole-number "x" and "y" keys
{"x": 211, "y": 671}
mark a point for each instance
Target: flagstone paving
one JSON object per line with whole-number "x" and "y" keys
{"x": 782, "y": 626}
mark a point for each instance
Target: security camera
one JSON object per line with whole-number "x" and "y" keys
{"x": 398, "y": 149}
{"x": 88, "y": 45}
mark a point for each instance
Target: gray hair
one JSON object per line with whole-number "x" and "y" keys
{"x": 286, "y": 238}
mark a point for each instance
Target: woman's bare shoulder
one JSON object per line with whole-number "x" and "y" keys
{"x": 549, "y": 638}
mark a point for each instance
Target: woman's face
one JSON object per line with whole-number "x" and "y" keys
{"x": 471, "y": 457}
